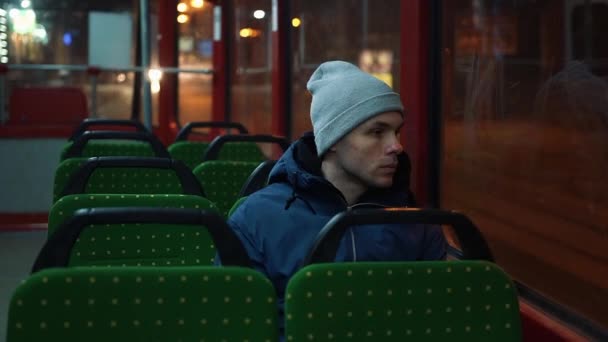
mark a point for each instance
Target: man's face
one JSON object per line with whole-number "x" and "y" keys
{"x": 368, "y": 154}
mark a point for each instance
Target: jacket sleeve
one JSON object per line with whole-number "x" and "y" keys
{"x": 435, "y": 245}
{"x": 243, "y": 226}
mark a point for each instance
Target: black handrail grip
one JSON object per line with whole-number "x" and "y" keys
{"x": 103, "y": 122}
{"x": 326, "y": 244}
{"x": 56, "y": 251}
{"x": 79, "y": 179}
{"x": 213, "y": 151}
{"x": 77, "y": 147}
{"x": 257, "y": 179}
{"x": 183, "y": 133}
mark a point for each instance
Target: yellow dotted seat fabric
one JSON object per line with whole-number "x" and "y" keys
{"x": 397, "y": 301}
{"x": 190, "y": 152}
{"x": 223, "y": 180}
{"x": 65, "y": 207}
{"x": 144, "y": 304}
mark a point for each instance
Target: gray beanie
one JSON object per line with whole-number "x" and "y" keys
{"x": 343, "y": 97}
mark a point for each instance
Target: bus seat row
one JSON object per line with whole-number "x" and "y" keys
{"x": 220, "y": 181}
{"x": 141, "y": 236}
{"x": 138, "y": 141}
{"x": 141, "y": 267}
{"x": 76, "y": 174}
{"x": 389, "y": 301}
{"x": 66, "y": 206}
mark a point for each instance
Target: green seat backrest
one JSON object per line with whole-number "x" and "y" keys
{"x": 63, "y": 173}
{"x": 65, "y": 207}
{"x": 143, "y": 304}
{"x": 223, "y": 180}
{"x": 112, "y": 180}
{"x": 241, "y": 151}
{"x": 143, "y": 245}
{"x": 113, "y": 147}
{"x": 397, "y": 301}
{"x": 190, "y": 152}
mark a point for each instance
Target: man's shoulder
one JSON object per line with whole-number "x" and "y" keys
{"x": 270, "y": 192}
{"x": 264, "y": 199}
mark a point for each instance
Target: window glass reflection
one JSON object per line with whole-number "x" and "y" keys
{"x": 525, "y": 139}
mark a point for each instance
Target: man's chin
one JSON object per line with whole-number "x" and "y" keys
{"x": 384, "y": 183}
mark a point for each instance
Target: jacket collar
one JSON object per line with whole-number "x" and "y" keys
{"x": 301, "y": 168}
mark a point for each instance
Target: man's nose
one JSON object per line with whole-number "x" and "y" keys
{"x": 395, "y": 146}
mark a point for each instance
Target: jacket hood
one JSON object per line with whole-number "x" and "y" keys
{"x": 300, "y": 167}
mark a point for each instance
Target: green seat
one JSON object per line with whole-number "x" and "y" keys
{"x": 107, "y": 124}
{"x": 192, "y": 152}
{"x": 223, "y": 180}
{"x": 464, "y": 300}
{"x": 256, "y": 181}
{"x": 114, "y": 147}
{"x": 397, "y": 301}
{"x": 189, "y": 152}
{"x": 66, "y": 206}
{"x": 114, "y": 143}
{"x": 143, "y": 304}
{"x": 241, "y": 151}
{"x": 242, "y": 147}
{"x": 123, "y": 175}
{"x": 63, "y": 173}
{"x": 141, "y": 236}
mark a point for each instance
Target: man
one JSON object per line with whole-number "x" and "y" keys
{"x": 351, "y": 161}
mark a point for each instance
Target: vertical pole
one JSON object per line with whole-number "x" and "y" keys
{"x": 3, "y": 115}
{"x": 281, "y": 68}
{"x": 93, "y": 96}
{"x": 93, "y": 73}
{"x": 144, "y": 14}
{"x": 415, "y": 91}
{"x": 221, "y": 63}
{"x": 167, "y": 57}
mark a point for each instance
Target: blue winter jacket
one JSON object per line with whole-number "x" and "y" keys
{"x": 279, "y": 223}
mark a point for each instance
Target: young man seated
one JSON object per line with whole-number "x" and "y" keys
{"x": 352, "y": 160}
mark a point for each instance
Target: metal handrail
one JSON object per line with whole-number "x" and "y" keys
{"x": 93, "y": 73}
{"x": 84, "y": 67}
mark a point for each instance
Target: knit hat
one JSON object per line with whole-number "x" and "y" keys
{"x": 343, "y": 97}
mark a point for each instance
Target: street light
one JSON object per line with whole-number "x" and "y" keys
{"x": 182, "y": 18}
{"x": 197, "y": 3}
{"x": 182, "y": 7}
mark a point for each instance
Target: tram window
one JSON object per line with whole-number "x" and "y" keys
{"x": 57, "y": 33}
{"x": 350, "y": 31}
{"x": 525, "y": 140}
{"x": 252, "y": 74}
{"x": 195, "y": 51}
